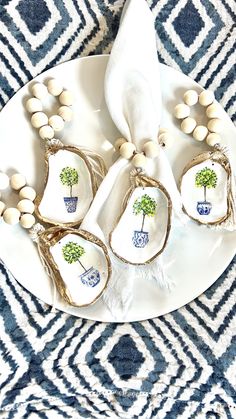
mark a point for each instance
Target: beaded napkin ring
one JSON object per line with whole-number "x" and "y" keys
{"x": 23, "y": 213}
{"x": 189, "y": 125}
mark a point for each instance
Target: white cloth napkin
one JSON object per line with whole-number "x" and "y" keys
{"x": 133, "y": 96}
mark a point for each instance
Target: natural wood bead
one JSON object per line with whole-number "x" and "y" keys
{"x": 39, "y": 119}
{"x": 2, "y": 207}
{"x": 66, "y": 98}
{"x": 66, "y": 113}
{"x": 139, "y": 160}
{"x": 151, "y": 149}
{"x": 182, "y": 111}
{"x": 54, "y": 87}
{"x": 213, "y": 139}
{"x": 27, "y": 221}
{"x": 46, "y": 132}
{"x": 191, "y": 97}
{"x": 200, "y": 133}
{"x": 39, "y": 90}
{"x": 215, "y": 125}
{"x": 27, "y": 193}
{"x": 26, "y": 205}
{"x": 206, "y": 98}
{"x": 213, "y": 111}
{"x": 4, "y": 181}
{"x": 34, "y": 105}
{"x": 56, "y": 122}
{"x": 166, "y": 140}
{"x": 188, "y": 125}
{"x": 127, "y": 150}
{"x": 11, "y": 216}
{"x": 119, "y": 142}
{"x": 17, "y": 181}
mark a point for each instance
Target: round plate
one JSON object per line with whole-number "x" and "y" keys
{"x": 195, "y": 255}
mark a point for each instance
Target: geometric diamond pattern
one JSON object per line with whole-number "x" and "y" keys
{"x": 181, "y": 365}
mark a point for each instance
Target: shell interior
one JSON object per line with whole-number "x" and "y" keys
{"x": 142, "y": 230}
{"x": 78, "y": 264}
{"x": 204, "y": 191}
{"x": 69, "y": 189}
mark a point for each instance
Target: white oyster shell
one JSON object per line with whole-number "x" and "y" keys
{"x": 56, "y": 206}
{"x": 77, "y": 262}
{"x": 136, "y": 242}
{"x": 207, "y": 205}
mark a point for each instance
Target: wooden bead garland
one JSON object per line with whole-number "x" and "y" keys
{"x": 189, "y": 125}
{"x": 49, "y": 125}
{"x": 23, "y": 214}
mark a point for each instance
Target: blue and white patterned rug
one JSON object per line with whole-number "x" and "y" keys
{"x": 181, "y": 365}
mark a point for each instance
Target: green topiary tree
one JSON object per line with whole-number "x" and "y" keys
{"x": 69, "y": 177}
{"x": 72, "y": 253}
{"x": 144, "y": 205}
{"x": 206, "y": 178}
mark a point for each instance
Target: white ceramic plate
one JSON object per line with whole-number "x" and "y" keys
{"x": 195, "y": 256}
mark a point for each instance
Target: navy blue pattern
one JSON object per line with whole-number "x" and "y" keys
{"x": 181, "y": 365}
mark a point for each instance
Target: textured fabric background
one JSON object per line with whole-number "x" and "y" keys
{"x": 181, "y": 365}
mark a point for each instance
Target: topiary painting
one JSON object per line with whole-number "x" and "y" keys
{"x": 72, "y": 252}
{"x": 146, "y": 206}
{"x": 206, "y": 178}
{"x": 69, "y": 177}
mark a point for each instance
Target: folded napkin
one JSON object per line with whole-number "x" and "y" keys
{"x": 133, "y": 96}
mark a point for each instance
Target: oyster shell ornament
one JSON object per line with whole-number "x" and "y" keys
{"x": 76, "y": 261}
{"x": 143, "y": 227}
{"x": 208, "y": 191}
{"x": 73, "y": 174}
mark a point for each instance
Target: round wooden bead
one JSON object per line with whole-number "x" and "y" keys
{"x": 4, "y": 181}
{"x": 27, "y": 193}
{"x": 54, "y": 87}
{"x": 182, "y": 111}
{"x": 66, "y": 98}
{"x": 11, "y": 216}
{"x": 206, "y": 98}
{"x": 66, "y": 113}
{"x": 200, "y": 133}
{"x": 127, "y": 150}
{"x": 188, "y": 125}
{"x": 56, "y": 122}
{"x": 139, "y": 160}
{"x": 119, "y": 142}
{"x": 34, "y": 105}
{"x": 39, "y": 90}
{"x": 26, "y": 205}
{"x": 46, "y": 132}
{"x": 17, "y": 181}
{"x": 215, "y": 125}
{"x": 191, "y": 97}
{"x": 27, "y": 220}
{"x": 151, "y": 149}
{"x": 2, "y": 207}
{"x": 212, "y": 139}
{"x": 166, "y": 140}
{"x": 213, "y": 111}
{"x": 39, "y": 119}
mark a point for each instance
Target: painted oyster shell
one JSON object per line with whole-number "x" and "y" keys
{"x": 69, "y": 187}
{"x": 77, "y": 262}
{"x": 142, "y": 229}
{"x": 205, "y": 188}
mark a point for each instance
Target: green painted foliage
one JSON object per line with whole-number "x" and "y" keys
{"x": 69, "y": 176}
{"x": 72, "y": 252}
{"x": 206, "y": 178}
{"x": 145, "y": 205}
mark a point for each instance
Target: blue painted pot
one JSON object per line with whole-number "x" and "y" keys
{"x": 91, "y": 277}
{"x": 204, "y": 207}
{"x": 71, "y": 203}
{"x": 140, "y": 238}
